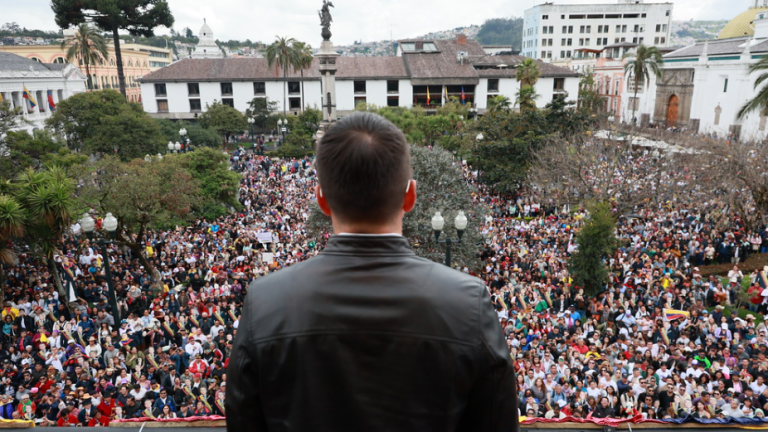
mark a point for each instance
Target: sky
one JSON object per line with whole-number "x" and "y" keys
{"x": 365, "y": 20}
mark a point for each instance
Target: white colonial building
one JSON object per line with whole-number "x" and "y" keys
{"x": 206, "y": 47}
{"x": 553, "y": 32}
{"x": 59, "y": 80}
{"x": 704, "y": 85}
{"x": 422, "y": 70}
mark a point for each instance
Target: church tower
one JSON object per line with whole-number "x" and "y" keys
{"x": 206, "y": 48}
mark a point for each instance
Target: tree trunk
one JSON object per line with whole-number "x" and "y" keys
{"x": 634, "y": 102}
{"x": 302, "y": 90}
{"x": 119, "y": 59}
{"x": 59, "y": 287}
{"x": 285, "y": 95}
{"x": 88, "y": 81}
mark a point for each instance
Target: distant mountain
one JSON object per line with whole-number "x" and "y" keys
{"x": 502, "y": 31}
{"x": 687, "y": 32}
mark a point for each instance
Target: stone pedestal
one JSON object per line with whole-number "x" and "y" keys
{"x": 327, "y": 59}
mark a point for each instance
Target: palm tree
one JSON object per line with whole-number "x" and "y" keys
{"x": 47, "y": 199}
{"x": 640, "y": 65}
{"x": 527, "y": 74}
{"x": 88, "y": 46}
{"x": 760, "y": 101}
{"x": 11, "y": 228}
{"x": 303, "y": 59}
{"x": 281, "y": 54}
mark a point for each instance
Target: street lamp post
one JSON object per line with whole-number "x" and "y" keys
{"x": 473, "y": 112}
{"x": 177, "y": 146}
{"x": 251, "y": 121}
{"x": 183, "y": 134}
{"x": 171, "y": 146}
{"x": 109, "y": 224}
{"x": 438, "y": 223}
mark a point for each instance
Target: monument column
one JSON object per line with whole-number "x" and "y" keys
{"x": 327, "y": 61}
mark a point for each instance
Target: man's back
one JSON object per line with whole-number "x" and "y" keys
{"x": 367, "y": 336}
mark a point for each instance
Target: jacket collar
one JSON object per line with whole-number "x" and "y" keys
{"x": 368, "y": 245}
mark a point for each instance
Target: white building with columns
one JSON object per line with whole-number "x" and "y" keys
{"x": 704, "y": 85}
{"x": 422, "y": 70}
{"x": 60, "y": 80}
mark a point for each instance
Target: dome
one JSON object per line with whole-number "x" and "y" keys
{"x": 741, "y": 25}
{"x": 205, "y": 31}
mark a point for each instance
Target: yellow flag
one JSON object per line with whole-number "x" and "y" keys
{"x": 1, "y": 98}
{"x": 43, "y": 339}
{"x": 428, "y": 98}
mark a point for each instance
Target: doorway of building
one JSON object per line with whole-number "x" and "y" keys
{"x": 672, "y": 108}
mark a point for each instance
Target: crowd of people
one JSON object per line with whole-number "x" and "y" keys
{"x": 164, "y": 353}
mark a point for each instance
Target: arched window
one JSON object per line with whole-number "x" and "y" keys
{"x": 145, "y": 63}
{"x": 36, "y": 59}
{"x": 59, "y": 60}
{"x": 111, "y": 62}
{"x": 130, "y": 63}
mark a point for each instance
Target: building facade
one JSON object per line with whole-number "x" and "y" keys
{"x": 138, "y": 60}
{"x": 553, "y": 32}
{"x": 703, "y": 86}
{"x": 59, "y": 80}
{"x": 423, "y": 73}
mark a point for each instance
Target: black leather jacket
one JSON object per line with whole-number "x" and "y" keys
{"x": 369, "y": 337}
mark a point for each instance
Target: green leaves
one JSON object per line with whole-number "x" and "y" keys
{"x": 596, "y": 242}
{"x": 103, "y": 121}
{"x": 224, "y": 119}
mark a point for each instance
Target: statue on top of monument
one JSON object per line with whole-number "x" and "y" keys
{"x": 325, "y": 19}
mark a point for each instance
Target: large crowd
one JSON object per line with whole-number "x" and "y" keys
{"x": 617, "y": 354}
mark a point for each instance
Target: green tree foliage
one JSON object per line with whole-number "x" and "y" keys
{"x": 223, "y": 119}
{"x": 760, "y": 100}
{"x": 138, "y": 17}
{"x": 440, "y": 188}
{"x": 87, "y": 47}
{"x": 141, "y": 195}
{"x": 527, "y": 75}
{"x": 43, "y": 201}
{"x": 589, "y": 98}
{"x": 196, "y": 134}
{"x": 9, "y": 119}
{"x": 218, "y": 184}
{"x": 104, "y": 122}
{"x": 640, "y": 64}
{"x": 260, "y": 109}
{"x": 35, "y": 151}
{"x": 502, "y": 31}
{"x": 303, "y": 60}
{"x": 596, "y": 242}
{"x": 300, "y": 139}
{"x": 509, "y": 139}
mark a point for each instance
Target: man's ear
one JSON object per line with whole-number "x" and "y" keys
{"x": 410, "y": 196}
{"x": 321, "y": 201}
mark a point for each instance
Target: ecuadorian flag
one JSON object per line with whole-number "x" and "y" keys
{"x": 673, "y": 314}
{"x": 28, "y": 96}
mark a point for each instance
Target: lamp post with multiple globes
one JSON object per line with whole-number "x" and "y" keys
{"x": 438, "y": 223}
{"x": 110, "y": 225}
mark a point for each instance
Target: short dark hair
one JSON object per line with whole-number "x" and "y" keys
{"x": 364, "y": 165}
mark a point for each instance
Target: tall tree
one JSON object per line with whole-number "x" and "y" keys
{"x": 88, "y": 46}
{"x": 303, "y": 60}
{"x": 47, "y": 197}
{"x": 640, "y": 65}
{"x": 760, "y": 100}
{"x": 138, "y": 17}
{"x": 527, "y": 74}
{"x": 141, "y": 195}
{"x": 282, "y": 54}
{"x": 105, "y": 122}
{"x": 596, "y": 243}
{"x": 223, "y": 119}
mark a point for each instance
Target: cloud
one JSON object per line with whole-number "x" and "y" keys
{"x": 353, "y": 20}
